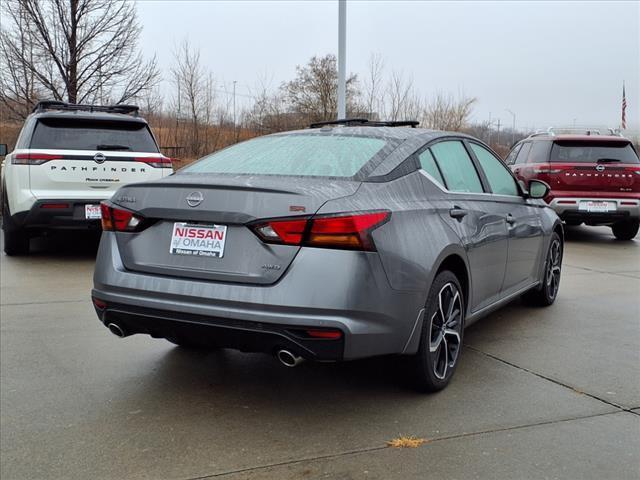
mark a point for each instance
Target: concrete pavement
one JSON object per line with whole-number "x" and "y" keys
{"x": 539, "y": 393}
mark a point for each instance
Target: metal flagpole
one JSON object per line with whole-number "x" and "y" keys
{"x": 342, "y": 60}
{"x": 623, "y": 119}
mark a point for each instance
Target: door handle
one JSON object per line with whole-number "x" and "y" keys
{"x": 458, "y": 213}
{"x": 511, "y": 219}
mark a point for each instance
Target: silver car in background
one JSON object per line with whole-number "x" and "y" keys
{"x": 348, "y": 240}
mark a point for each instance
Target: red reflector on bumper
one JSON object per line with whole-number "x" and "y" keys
{"x": 54, "y": 205}
{"x": 328, "y": 334}
{"x": 101, "y": 304}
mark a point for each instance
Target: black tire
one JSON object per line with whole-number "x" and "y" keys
{"x": 547, "y": 293}
{"x": 626, "y": 229}
{"x": 16, "y": 240}
{"x": 441, "y": 338}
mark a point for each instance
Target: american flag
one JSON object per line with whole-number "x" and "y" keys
{"x": 623, "y": 124}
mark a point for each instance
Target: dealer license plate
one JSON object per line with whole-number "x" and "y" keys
{"x": 198, "y": 240}
{"x": 92, "y": 212}
{"x": 597, "y": 206}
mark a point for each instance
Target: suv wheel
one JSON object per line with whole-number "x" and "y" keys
{"x": 626, "y": 229}
{"x": 441, "y": 339}
{"x": 16, "y": 240}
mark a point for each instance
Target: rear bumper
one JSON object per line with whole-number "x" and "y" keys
{"x": 335, "y": 289}
{"x": 221, "y": 332}
{"x": 70, "y": 218}
{"x": 568, "y": 209}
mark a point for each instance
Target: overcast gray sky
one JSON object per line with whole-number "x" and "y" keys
{"x": 549, "y": 62}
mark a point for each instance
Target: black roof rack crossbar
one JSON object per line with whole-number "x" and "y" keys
{"x": 366, "y": 123}
{"x": 396, "y": 123}
{"x": 342, "y": 121}
{"x": 57, "y": 105}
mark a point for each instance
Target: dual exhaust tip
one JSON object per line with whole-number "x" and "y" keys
{"x": 288, "y": 359}
{"x": 285, "y": 357}
{"x": 117, "y": 330}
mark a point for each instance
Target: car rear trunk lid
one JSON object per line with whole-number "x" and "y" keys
{"x": 229, "y": 201}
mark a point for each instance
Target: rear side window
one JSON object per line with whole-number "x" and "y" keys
{"x": 302, "y": 155}
{"x": 500, "y": 180}
{"x": 523, "y": 154}
{"x": 593, "y": 151}
{"x": 511, "y": 158}
{"x": 428, "y": 164}
{"x": 76, "y": 134}
{"x": 539, "y": 152}
{"x": 456, "y": 166}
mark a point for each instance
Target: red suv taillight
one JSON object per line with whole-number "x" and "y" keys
{"x": 33, "y": 158}
{"x": 157, "y": 162}
{"x": 343, "y": 231}
{"x": 116, "y": 219}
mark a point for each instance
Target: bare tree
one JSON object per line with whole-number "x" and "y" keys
{"x": 77, "y": 50}
{"x": 373, "y": 87}
{"x": 313, "y": 93}
{"x": 194, "y": 100}
{"x": 404, "y": 103}
{"x": 444, "y": 112}
{"x": 18, "y": 91}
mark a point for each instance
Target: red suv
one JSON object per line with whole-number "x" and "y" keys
{"x": 594, "y": 179}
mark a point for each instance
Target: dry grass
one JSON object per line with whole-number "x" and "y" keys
{"x": 9, "y": 133}
{"x": 406, "y": 442}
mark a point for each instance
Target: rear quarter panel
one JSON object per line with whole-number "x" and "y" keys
{"x": 415, "y": 241}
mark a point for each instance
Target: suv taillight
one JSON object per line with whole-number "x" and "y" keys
{"x": 33, "y": 158}
{"x": 545, "y": 169}
{"x": 342, "y": 231}
{"x": 116, "y": 219}
{"x": 157, "y": 162}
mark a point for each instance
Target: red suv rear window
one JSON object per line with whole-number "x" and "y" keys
{"x": 593, "y": 151}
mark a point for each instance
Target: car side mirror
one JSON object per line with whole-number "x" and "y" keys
{"x": 3, "y": 149}
{"x": 523, "y": 188}
{"x": 538, "y": 189}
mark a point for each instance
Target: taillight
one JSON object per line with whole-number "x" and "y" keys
{"x": 157, "y": 162}
{"x": 33, "y": 158}
{"x": 546, "y": 170}
{"x": 116, "y": 219}
{"x": 344, "y": 231}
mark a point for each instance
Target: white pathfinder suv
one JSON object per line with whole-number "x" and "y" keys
{"x": 68, "y": 158}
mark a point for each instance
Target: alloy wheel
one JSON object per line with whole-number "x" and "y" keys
{"x": 446, "y": 324}
{"x": 553, "y": 268}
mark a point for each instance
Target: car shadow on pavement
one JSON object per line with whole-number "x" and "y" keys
{"x": 587, "y": 234}
{"x": 255, "y": 371}
{"x": 79, "y": 244}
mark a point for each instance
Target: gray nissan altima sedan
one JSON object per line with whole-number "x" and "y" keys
{"x": 346, "y": 240}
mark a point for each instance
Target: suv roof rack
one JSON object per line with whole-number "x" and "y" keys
{"x": 553, "y": 131}
{"x": 74, "y": 107}
{"x": 366, "y": 123}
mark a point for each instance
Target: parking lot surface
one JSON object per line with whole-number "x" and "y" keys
{"x": 539, "y": 393}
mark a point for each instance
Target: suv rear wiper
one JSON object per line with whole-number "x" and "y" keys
{"x": 608, "y": 160}
{"x": 112, "y": 147}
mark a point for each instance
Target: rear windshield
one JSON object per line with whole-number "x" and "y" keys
{"x": 592, "y": 152}
{"x": 75, "y": 134}
{"x": 303, "y": 155}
